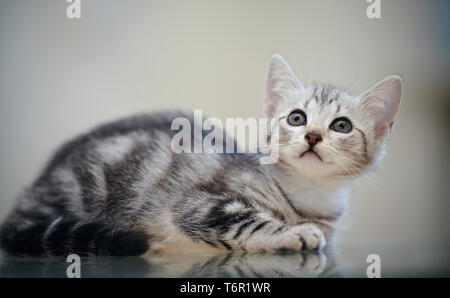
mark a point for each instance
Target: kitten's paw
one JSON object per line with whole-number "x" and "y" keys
{"x": 303, "y": 237}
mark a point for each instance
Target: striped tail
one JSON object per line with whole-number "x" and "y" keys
{"x": 24, "y": 236}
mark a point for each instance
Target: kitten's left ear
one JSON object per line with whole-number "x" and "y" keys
{"x": 280, "y": 80}
{"x": 381, "y": 103}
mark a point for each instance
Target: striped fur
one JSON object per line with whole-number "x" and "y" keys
{"x": 120, "y": 190}
{"x": 142, "y": 197}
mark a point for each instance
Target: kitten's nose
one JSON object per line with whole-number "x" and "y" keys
{"x": 313, "y": 139}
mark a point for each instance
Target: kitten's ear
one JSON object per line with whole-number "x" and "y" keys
{"x": 280, "y": 79}
{"x": 382, "y": 101}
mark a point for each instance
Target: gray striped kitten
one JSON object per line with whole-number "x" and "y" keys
{"x": 121, "y": 190}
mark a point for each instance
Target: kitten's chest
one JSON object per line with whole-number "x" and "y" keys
{"x": 320, "y": 202}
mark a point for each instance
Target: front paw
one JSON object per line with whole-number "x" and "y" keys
{"x": 303, "y": 237}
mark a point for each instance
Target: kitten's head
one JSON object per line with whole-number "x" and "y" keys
{"x": 326, "y": 132}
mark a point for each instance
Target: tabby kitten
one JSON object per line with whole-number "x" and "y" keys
{"x": 120, "y": 189}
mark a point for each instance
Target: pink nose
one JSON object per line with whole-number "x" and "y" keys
{"x": 313, "y": 139}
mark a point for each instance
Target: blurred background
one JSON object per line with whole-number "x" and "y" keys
{"x": 60, "y": 77}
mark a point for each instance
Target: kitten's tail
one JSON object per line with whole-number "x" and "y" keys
{"x": 24, "y": 236}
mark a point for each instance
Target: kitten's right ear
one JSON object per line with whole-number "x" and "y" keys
{"x": 280, "y": 79}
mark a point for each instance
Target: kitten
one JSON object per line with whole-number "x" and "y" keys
{"x": 120, "y": 190}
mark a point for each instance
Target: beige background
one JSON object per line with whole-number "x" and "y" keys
{"x": 59, "y": 77}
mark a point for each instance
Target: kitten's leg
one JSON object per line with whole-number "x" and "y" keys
{"x": 274, "y": 235}
{"x": 243, "y": 227}
{"x": 236, "y": 224}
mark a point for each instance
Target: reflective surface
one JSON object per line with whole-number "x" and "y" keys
{"x": 350, "y": 262}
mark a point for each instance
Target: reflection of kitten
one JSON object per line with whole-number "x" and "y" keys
{"x": 244, "y": 264}
{"x": 286, "y": 264}
{"x": 119, "y": 190}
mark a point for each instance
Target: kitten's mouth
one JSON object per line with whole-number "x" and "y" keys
{"x": 310, "y": 151}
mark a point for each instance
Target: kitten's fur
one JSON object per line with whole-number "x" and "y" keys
{"x": 120, "y": 190}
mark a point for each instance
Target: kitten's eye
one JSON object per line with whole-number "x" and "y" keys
{"x": 342, "y": 125}
{"x": 296, "y": 118}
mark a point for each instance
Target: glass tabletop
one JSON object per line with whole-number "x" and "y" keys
{"x": 338, "y": 262}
